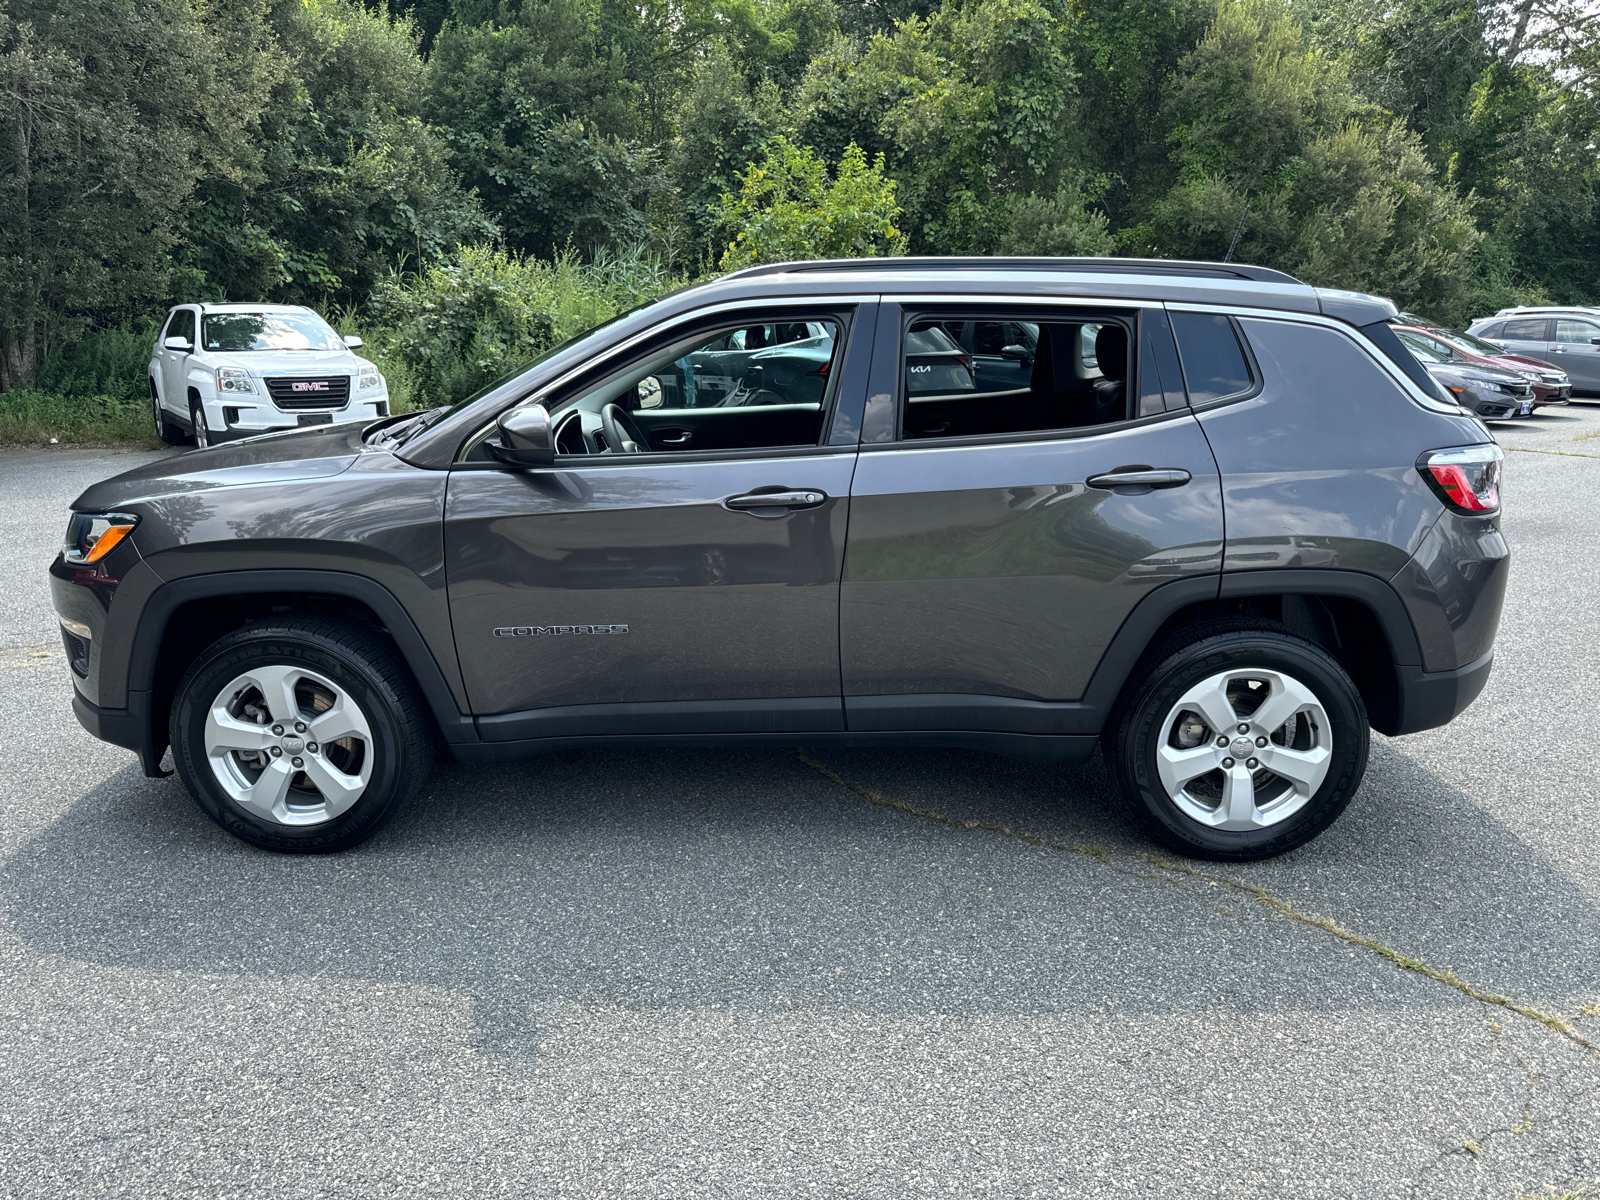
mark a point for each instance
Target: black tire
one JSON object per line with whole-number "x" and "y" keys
{"x": 1188, "y": 658}
{"x": 166, "y": 432}
{"x": 197, "y": 418}
{"x": 352, "y": 659}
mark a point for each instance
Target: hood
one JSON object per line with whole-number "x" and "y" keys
{"x": 292, "y": 454}
{"x": 285, "y": 362}
{"x": 1478, "y": 373}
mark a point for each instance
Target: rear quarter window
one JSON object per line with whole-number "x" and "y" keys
{"x": 1326, "y": 369}
{"x": 1214, "y": 365}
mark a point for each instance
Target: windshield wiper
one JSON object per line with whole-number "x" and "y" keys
{"x": 393, "y": 434}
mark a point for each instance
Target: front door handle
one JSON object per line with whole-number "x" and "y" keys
{"x": 777, "y": 501}
{"x": 1135, "y": 481}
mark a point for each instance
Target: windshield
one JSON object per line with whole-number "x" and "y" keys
{"x": 1465, "y": 341}
{"x": 1424, "y": 348}
{"x": 239, "y": 331}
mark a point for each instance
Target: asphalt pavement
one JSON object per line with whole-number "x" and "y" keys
{"x": 854, "y": 974}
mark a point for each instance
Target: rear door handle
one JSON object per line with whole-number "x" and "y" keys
{"x": 1137, "y": 480}
{"x": 776, "y": 502}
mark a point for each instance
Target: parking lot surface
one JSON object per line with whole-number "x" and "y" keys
{"x": 820, "y": 973}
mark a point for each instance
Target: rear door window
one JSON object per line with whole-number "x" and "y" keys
{"x": 1214, "y": 365}
{"x": 1008, "y": 375}
{"x": 1525, "y": 330}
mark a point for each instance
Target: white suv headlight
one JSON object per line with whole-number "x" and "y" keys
{"x": 234, "y": 381}
{"x": 369, "y": 377}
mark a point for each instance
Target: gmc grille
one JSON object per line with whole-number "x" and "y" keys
{"x": 318, "y": 391}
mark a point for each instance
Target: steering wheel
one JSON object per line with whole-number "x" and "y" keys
{"x": 621, "y": 436}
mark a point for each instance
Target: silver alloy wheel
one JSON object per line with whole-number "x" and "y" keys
{"x": 202, "y": 435}
{"x": 1244, "y": 749}
{"x": 289, "y": 745}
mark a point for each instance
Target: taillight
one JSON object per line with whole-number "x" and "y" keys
{"x": 1466, "y": 479}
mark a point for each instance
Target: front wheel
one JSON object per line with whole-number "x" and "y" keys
{"x": 300, "y": 735}
{"x": 167, "y": 433}
{"x": 1238, "y": 741}
{"x": 197, "y": 417}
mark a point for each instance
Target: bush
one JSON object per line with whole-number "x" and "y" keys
{"x": 788, "y": 209}
{"x": 36, "y": 417}
{"x": 461, "y": 324}
{"x": 113, "y": 362}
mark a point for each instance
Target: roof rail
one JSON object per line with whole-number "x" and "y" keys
{"x": 1120, "y": 266}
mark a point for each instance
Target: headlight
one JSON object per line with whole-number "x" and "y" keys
{"x": 92, "y": 536}
{"x": 234, "y": 381}
{"x": 369, "y": 377}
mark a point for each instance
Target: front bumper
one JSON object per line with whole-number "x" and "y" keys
{"x": 244, "y": 416}
{"x": 128, "y": 727}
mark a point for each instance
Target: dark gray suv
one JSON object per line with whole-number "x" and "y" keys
{"x": 1204, "y": 516}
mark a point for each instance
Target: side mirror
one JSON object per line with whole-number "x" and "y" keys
{"x": 1016, "y": 353}
{"x": 178, "y": 343}
{"x": 524, "y": 438}
{"x": 352, "y": 342}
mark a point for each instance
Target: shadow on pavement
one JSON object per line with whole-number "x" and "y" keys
{"x": 672, "y": 879}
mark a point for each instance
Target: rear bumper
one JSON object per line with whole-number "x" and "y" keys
{"x": 1429, "y": 699}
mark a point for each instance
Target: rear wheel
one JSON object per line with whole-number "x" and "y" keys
{"x": 168, "y": 433}
{"x": 1238, "y": 741}
{"x": 300, "y": 735}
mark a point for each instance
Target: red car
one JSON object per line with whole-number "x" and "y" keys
{"x": 1550, "y": 383}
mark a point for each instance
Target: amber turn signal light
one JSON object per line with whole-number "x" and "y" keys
{"x": 92, "y": 536}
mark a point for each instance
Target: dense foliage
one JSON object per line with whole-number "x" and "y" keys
{"x": 470, "y": 180}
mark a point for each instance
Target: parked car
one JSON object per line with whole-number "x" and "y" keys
{"x": 1550, "y": 384}
{"x": 1487, "y": 392}
{"x": 1218, "y": 536}
{"x": 224, "y": 371}
{"x": 1569, "y": 337}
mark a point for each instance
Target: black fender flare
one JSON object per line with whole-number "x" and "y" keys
{"x": 456, "y": 727}
{"x": 1141, "y": 625}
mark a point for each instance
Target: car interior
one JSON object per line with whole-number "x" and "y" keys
{"x": 1020, "y": 376}
{"x": 746, "y": 386}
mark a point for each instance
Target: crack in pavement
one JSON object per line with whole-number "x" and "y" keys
{"x": 1178, "y": 873}
{"x": 1562, "y": 453}
{"x": 1283, "y": 908}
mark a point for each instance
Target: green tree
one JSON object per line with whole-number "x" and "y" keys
{"x": 1271, "y": 145}
{"x": 787, "y": 208}
{"x": 970, "y": 107}
{"x": 349, "y": 181}
{"x": 109, "y": 113}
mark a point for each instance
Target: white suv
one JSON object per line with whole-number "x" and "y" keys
{"x": 221, "y": 371}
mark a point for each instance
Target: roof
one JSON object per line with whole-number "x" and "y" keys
{"x": 1154, "y": 279}
{"x": 1588, "y": 309}
{"x": 1092, "y": 266}
{"x": 239, "y": 306}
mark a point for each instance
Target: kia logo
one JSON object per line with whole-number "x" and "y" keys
{"x": 315, "y": 385}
